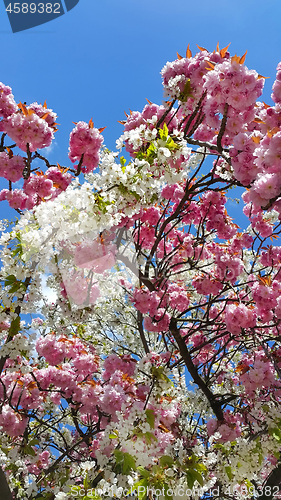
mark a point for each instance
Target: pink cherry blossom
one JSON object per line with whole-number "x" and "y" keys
{"x": 85, "y": 140}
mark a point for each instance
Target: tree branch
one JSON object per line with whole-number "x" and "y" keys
{"x": 273, "y": 480}
{"x": 215, "y": 405}
{"x": 222, "y": 129}
{"x": 142, "y": 336}
{"x": 5, "y": 492}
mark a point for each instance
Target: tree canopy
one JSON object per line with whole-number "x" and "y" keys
{"x": 155, "y": 369}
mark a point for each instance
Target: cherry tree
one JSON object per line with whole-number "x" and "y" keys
{"x": 155, "y": 370}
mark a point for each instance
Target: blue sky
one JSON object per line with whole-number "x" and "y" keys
{"x": 105, "y": 56}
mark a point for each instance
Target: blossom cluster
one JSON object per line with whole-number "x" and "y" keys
{"x": 157, "y": 360}
{"x": 84, "y": 144}
{"x": 7, "y": 101}
{"x": 28, "y": 128}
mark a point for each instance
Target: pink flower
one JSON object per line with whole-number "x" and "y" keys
{"x": 53, "y": 352}
{"x": 38, "y": 184}
{"x": 161, "y": 321}
{"x": 11, "y": 168}
{"x": 85, "y": 140}
{"x": 17, "y": 199}
{"x": 81, "y": 290}
{"x": 267, "y": 186}
{"x": 113, "y": 363}
{"x": 86, "y": 364}
{"x": 29, "y": 129}
{"x": 43, "y": 111}
{"x": 151, "y": 215}
{"x": 11, "y": 422}
{"x": 276, "y": 94}
{"x": 146, "y": 301}
{"x": 136, "y": 119}
{"x": 60, "y": 178}
{"x": 4, "y": 325}
{"x": 237, "y": 317}
{"x": 174, "y": 192}
{"x": 7, "y": 103}
{"x": 205, "y": 285}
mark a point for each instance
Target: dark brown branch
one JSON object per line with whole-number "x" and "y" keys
{"x": 142, "y": 336}
{"x": 79, "y": 166}
{"x": 37, "y": 155}
{"x": 192, "y": 116}
{"x": 273, "y": 480}
{"x": 5, "y": 492}
{"x": 27, "y": 169}
{"x": 97, "y": 479}
{"x": 210, "y": 146}
{"x": 222, "y": 128}
{"x": 162, "y": 118}
{"x": 215, "y": 405}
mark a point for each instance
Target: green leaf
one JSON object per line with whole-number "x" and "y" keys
{"x": 158, "y": 373}
{"x": 150, "y": 153}
{"x": 80, "y": 329}
{"x": 189, "y": 479}
{"x": 15, "y": 284}
{"x": 16, "y": 287}
{"x": 85, "y": 482}
{"x": 140, "y": 155}
{"x": 164, "y": 132}
{"x": 18, "y": 249}
{"x": 166, "y": 488}
{"x": 150, "y": 418}
{"x": 125, "y": 460}
{"x": 5, "y": 450}
{"x": 198, "y": 477}
{"x": 9, "y": 280}
{"x": 277, "y": 436}
{"x": 119, "y": 456}
{"x": 166, "y": 460}
{"x": 144, "y": 484}
{"x": 221, "y": 447}
{"x": 143, "y": 472}
{"x": 192, "y": 476}
{"x": 229, "y": 473}
{"x": 65, "y": 478}
{"x": 149, "y": 437}
{"x": 136, "y": 195}
{"x": 276, "y": 433}
{"x": 200, "y": 467}
{"x": 186, "y": 92}
{"x": 15, "y": 326}
{"x": 129, "y": 463}
{"x": 29, "y": 451}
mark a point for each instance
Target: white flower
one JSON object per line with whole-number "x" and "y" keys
{"x": 150, "y": 135}
{"x": 4, "y": 238}
{"x": 61, "y": 496}
{"x": 119, "y": 143}
{"x": 163, "y": 153}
